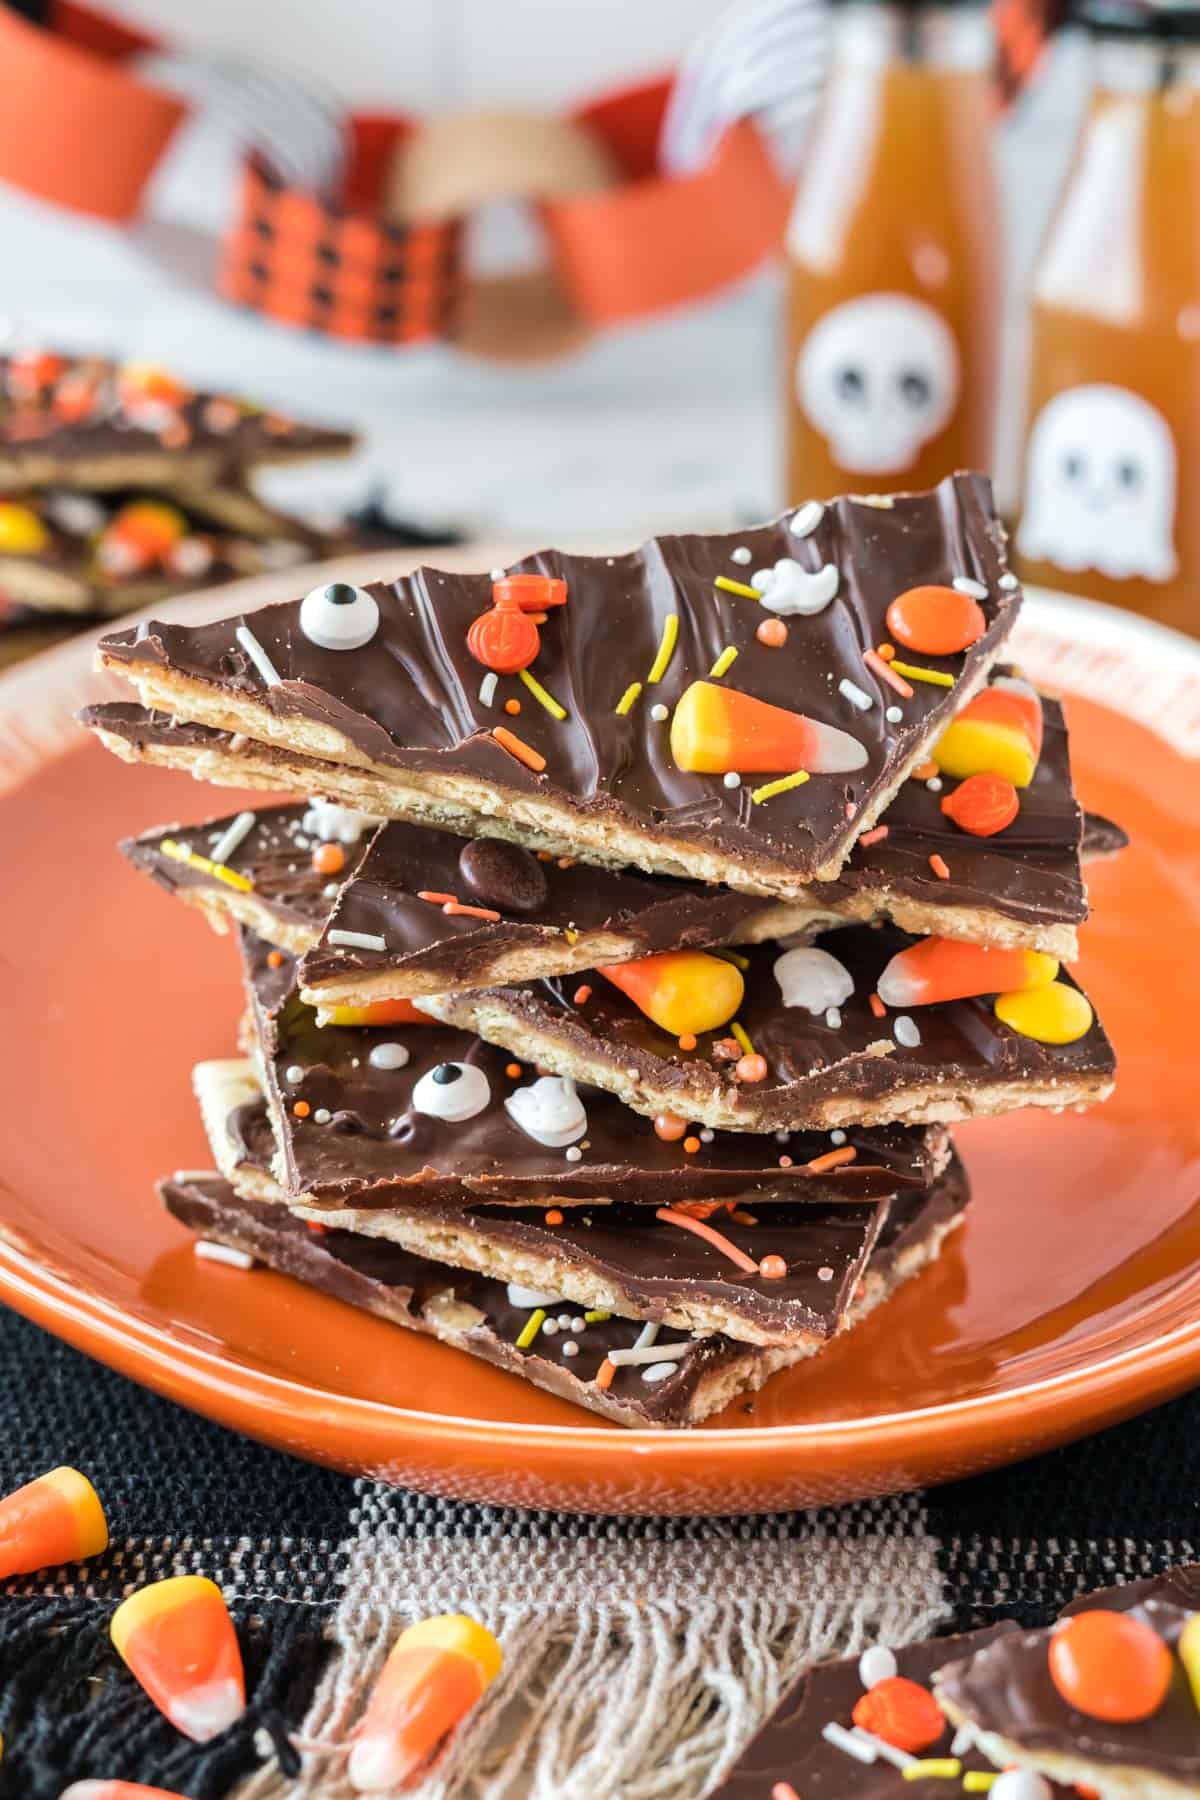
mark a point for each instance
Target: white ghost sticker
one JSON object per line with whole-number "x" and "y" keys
{"x": 788, "y": 589}
{"x": 549, "y": 1111}
{"x": 1100, "y": 485}
{"x": 812, "y": 979}
{"x": 878, "y": 378}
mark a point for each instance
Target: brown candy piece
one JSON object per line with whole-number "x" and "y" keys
{"x": 503, "y": 875}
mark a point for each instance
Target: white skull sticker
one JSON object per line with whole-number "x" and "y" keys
{"x": 1100, "y": 485}
{"x": 878, "y": 378}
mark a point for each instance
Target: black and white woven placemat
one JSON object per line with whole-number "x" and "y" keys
{"x": 640, "y": 1653}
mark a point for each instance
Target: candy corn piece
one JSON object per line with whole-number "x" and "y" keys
{"x": 681, "y": 990}
{"x": 715, "y": 730}
{"x": 56, "y": 1519}
{"x": 1188, "y": 1650}
{"x": 379, "y": 1012}
{"x": 936, "y": 969}
{"x": 436, "y": 1672}
{"x": 116, "y": 1790}
{"x": 999, "y": 732}
{"x": 21, "y": 531}
{"x": 177, "y": 1638}
{"x": 1052, "y": 1013}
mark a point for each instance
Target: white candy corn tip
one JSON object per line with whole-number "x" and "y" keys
{"x": 207, "y": 1711}
{"x": 377, "y": 1764}
{"x": 896, "y": 987}
{"x": 836, "y": 752}
{"x": 86, "y": 1790}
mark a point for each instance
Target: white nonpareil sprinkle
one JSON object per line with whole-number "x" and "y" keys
{"x": 233, "y": 835}
{"x": 658, "y": 1371}
{"x": 550, "y": 1328}
{"x": 648, "y": 1335}
{"x": 487, "y": 688}
{"x": 1008, "y": 583}
{"x": 707, "y": 1135}
{"x": 293, "y": 1074}
{"x": 841, "y": 1739}
{"x": 906, "y": 1031}
{"x": 732, "y": 780}
{"x": 893, "y": 715}
{"x": 651, "y": 1354}
{"x": 322, "y": 1116}
{"x": 658, "y": 712}
{"x": 258, "y": 656}
{"x": 743, "y": 554}
{"x": 578, "y": 1326}
{"x": 388, "y": 1056}
{"x": 357, "y": 940}
{"x": 564, "y": 1321}
{"x": 497, "y": 575}
{"x": 850, "y": 690}
{"x": 833, "y": 1018}
{"x": 783, "y": 1137}
{"x": 837, "y": 1137}
{"x": 805, "y": 519}
{"x": 966, "y": 585}
{"x": 222, "y": 1253}
{"x": 570, "y": 1347}
{"x": 574, "y": 1154}
{"x": 825, "y": 1274}
{"x": 330, "y": 890}
{"x": 876, "y": 1664}
{"x": 934, "y": 784}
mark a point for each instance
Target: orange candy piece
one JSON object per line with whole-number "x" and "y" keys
{"x": 379, "y": 1012}
{"x": 983, "y": 805}
{"x": 329, "y": 859}
{"x": 150, "y": 527}
{"x": 177, "y": 1638}
{"x": 56, "y": 1519}
{"x": 1110, "y": 1666}
{"x": 716, "y": 730}
{"x": 436, "y": 1672}
{"x": 936, "y": 969}
{"x": 937, "y": 621}
{"x": 116, "y": 1790}
{"x": 902, "y": 1713}
{"x": 681, "y": 990}
{"x": 507, "y": 638}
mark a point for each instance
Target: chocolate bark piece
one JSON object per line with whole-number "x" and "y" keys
{"x": 362, "y": 1130}
{"x": 1005, "y": 1694}
{"x": 623, "y": 1259}
{"x": 845, "y": 1067}
{"x": 95, "y": 424}
{"x": 412, "y": 727}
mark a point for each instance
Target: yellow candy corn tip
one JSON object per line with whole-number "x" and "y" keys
{"x": 1188, "y": 1648}
{"x": 160, "y": 1597}
{"x": 455, "y": 1631}
{"x": 982, "y": 747}
{"x": 84, "y": 1502}
{"x": 21, "y": 531}
{"x": 1053, "y": 1014}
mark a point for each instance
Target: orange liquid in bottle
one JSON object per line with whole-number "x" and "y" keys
{"x": 894, "y": 259}
{"x": 1111, "y": 501}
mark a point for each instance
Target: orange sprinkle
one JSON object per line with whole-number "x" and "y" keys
{"x": 751, "y": 1068}
{"x": 669, "y": 1127}
{"x": 582, "y": 995}
{"x": 745, "y": 1263}
{"x": 691, "y": 1145}
{"x": 512, "y": 707}
{"x": 454, "y": 909}
{"x": 878, "y": 666}
{"x": 924, "y": 771}
{"x": 565, "y": 862}
{"x": 274, "y": 959}
{"x": 772, "y": 1268}
{"x": 785, "y": 1162}
{"x": 302, "y": 1109}
{"x": 328, "y": 859}
{"x": 524, "y": 753}
{"x": 544, "y": 856}
{"x": 727, "y": 1049}
{"x": 873, "y": 837}
{"x": 512, "y": 1070}
{"x": 604, "y": 1375}
{"x": 688, "y": 1041}
{"x": 783, "y": 1790}
{"x": 317, "y": 1230}
{"x": 886, "y": 652}
{"x": 832, "y": 1159}
{"x": 743, "y": 1218}
{"x": 877, "y": 1006}
{"x": 554, "y": 1217}
{"x": 940, "y": 867}
{"x": 435, "y": 899}
{"x": 700, "y": 1209}
{"x": 773, "y": 633}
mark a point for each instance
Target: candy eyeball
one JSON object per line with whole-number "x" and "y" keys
{"x": 339, "y": 616}
{"x": 452, "y": 1091}
{"x": 812, "y": 979}
{"x": 549, "y": 1111}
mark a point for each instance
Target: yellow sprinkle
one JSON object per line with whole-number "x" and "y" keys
{"x": 596, "y": 1318}
{"x": 205, "y": 866}
{"x": 572, "y": 937}
{"x": 743, "y": 1038}
{"x": 933, "y": 1768}
{"x": 934, "y": 677}
{"x": 539, "y": 693}
{"x": 735, "y": 957}
{"x": 737, "y": 587}
{"x": 782, "y": 786}
{"x": 724, "y": 662}
{"x": 531, "y": 1327}
{"x": 628, "y": 697}
{"x": 980, "y": 1781}
{"x": 666, "y": 648}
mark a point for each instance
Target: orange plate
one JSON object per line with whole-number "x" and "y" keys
{"x": 1070, "y": 1299}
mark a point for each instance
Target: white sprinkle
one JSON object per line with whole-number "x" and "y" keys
{"x": 188, "y": 1175}
{"x": 707, "y": 1135}
{"x": 962, "y": 1741}
{"x": 578, "y": 1326}
{"x": 238, "y": 741}
{"x": 659, "y": 712}
{"x": 357, "y": 940}
{"x": 837, "y": 1137}
{"x": 322, "y": 1115}
{"x": 833, "y": 1018}
{"x": 850, "y": 690}
{"x": 258, "y": 656}
{"x": 526, "y": 1298}
{"x": 330, "y": 890}
{"x": 393, "y": 1056}
{"x": 825, "y": 1274}
{"x": 899, "y": 1759}
{"x": 906, "y": 1031}
{"x": 743, "y": 554}
{"x": 659, "y": 1371}
{"x": 293, "y": 1074}
{"x": 574, "y": 1154}
{"x": 648, "y": 1335}
{"x": 966, "y": 585}
{"x": 876, "y": 1664}
{"x": 934, "y": 784}
{"x": 1008, "y": 583}
{"x": 782, "y": 1137}
{"x": 550, "y": 1328}
{"x": 233, "y": 835}
{"x": 487, "y": 688}
{"x": 805, "y": 520}
{"x": 570, "y": 1348}
{"x": 222, "y": 1253}
{"x": 651, "y": 1354}
{"x": 893, "y": 715}
{"x": 497, "y": 575}
{"x": 564, "y": 1321}
{"x": 732, "y": 780}
{"x": 841, "y": 1739}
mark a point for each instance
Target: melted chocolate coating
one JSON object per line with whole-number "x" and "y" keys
{"x": 376, "y": 1151}
{"x": 409, "y": 699}
{"x": 1006, "y": 1688}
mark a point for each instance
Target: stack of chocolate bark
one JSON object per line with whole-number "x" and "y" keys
{"x": 120, "y": 486}
{"x": 607, "y": 1010}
